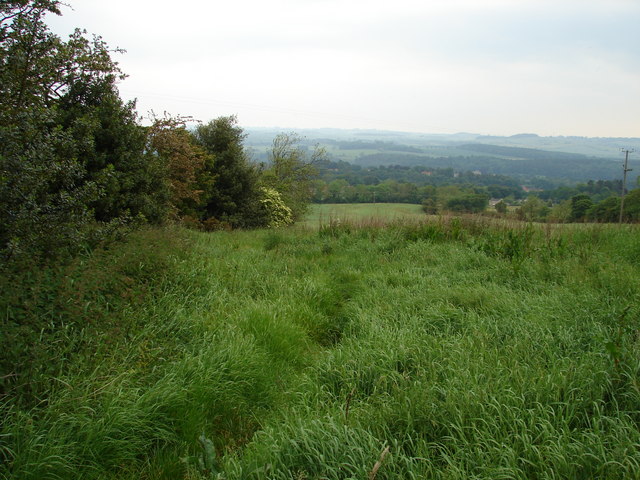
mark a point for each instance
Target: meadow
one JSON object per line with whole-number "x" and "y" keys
{"x": 453, "y": 348}
{"x": 355, "y": 213}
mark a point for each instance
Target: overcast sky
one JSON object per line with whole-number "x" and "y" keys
{"x": 498, "y": 67}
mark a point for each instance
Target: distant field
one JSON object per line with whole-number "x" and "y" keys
{"x": 322, "y": 214}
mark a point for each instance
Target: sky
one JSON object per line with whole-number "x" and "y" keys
{"x": 493, "y": 67}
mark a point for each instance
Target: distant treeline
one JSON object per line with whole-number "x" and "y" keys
{"x": 419, "y": 174}
{"x": 375, "y": 145}
{"x": 340, "y": 181}
{"x": 597, "y": 190}
{"x": 443, "y": 189}
{"x": 343, "y": 182}
{"x": 545, "y": 171}
{"x": 582, "y": 208}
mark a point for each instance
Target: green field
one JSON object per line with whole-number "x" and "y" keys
{"x": 322, "y": 214}
{"x": 456, "y": 349}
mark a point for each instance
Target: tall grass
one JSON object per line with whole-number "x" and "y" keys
{"x": 468, "y": 348}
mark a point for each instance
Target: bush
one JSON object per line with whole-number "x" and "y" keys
{"x": 278, "y": 214}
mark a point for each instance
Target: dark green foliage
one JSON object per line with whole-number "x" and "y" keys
{"x": 72, "y": 163}
{"x": 606, "y": 211}
{"x": 585, "y": 208}
{"x": 468, "y": 203}
{"x": 632, "y": 206}
{"x": 234, "y": 196}
{"x": 109, "y": 144}
{"x": 580, "y": 205}
{"x": 43, "y": 198}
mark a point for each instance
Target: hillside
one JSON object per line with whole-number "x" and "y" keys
{"x": 525, "y": 156}
{"x": 461, "y": 349}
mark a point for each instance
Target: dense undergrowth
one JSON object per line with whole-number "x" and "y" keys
{"x": 469, "y": 349}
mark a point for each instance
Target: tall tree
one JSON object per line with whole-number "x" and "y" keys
{"x": 110, "y": 146}
{"x": 42, "y": 196}
{"x": 234, "y": 196}
{"x": 606, "y": 211}
{"x": 71, "y": 152}
{"x": 291, "y": 172}
{"x": 169, "y": 141}
{"x": 580, "y": 205}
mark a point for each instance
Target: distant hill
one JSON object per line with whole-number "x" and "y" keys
{"x": 526, "y": 155}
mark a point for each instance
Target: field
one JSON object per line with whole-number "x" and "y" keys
{"x": 453, "y": 349}
{"x": 322, "y": 214}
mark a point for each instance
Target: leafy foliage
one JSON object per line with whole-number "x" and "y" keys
{"x": 580, "y": 205}
{"x": 278, "y": 213}
{"x": 533, "y": 209}
{"x": 184, "y": 161}
{"x": 71, "y": 152}
{"x": 234, "y": 197}
{"x": 291, "y": 172}
{"x": 468, "y": 203}
{"x": 110, "y": 146}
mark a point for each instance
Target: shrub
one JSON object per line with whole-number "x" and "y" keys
{"x": 277, "y": 213}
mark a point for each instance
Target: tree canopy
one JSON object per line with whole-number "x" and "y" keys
{"x": 67, "y": 141}
{"x": 235, "y": 194}
{"x": 291, "y": 172}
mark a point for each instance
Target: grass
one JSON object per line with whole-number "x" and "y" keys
{"x": 471, "y": 349}
{"x": 321, "y": 214}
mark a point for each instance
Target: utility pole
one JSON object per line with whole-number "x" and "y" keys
{"x": 625, "y": 169}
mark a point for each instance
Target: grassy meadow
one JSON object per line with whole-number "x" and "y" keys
{"x": 447, "y": 349}
{"x": 361, "y": 213}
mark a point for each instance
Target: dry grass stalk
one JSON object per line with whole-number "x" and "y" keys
{"x": 376, "y": 467}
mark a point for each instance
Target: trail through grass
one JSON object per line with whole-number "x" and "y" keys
{"x": 469, "y": 349}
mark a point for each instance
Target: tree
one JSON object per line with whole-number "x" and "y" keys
{"x": 580, "y": 205}
{"x": 169, "y": 141}
{"x": 72, "y": 155}
{"x": 291, "y": 172}
{"x": 43, "y": 190}
{"x": 234, "y": 196}
{"x": 337, "y": 191}
{"x": 560, "y": 213}
{"x": 632, "y": 206}
{"x": 429, "y": 206}
{"x": 468, "y": 203}
{"x": 501, "y": 207}
{"x": 533, "y": 209}
{"x": 606, "y": 211}
{"x": 110, "y": 146}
